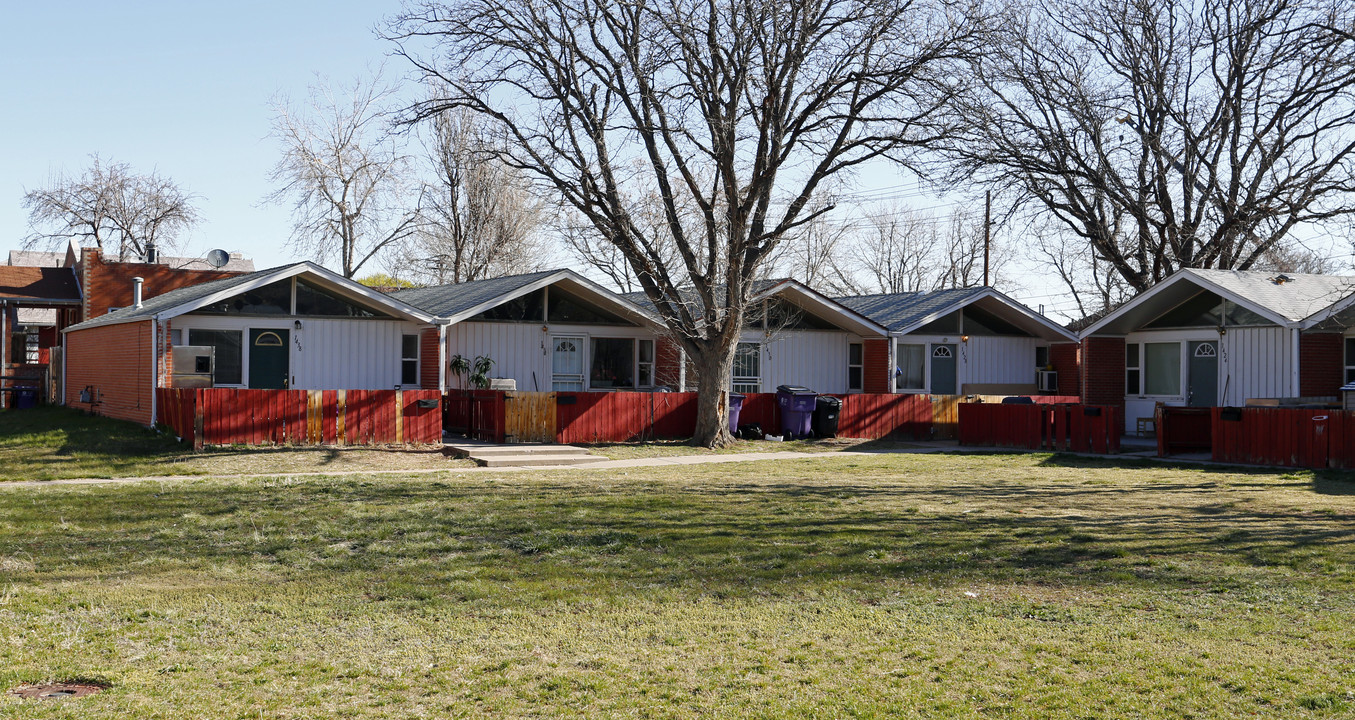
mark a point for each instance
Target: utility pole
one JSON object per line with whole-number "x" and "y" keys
{"x": 987, "y": 231}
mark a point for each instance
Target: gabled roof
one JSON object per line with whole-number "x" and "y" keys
{"x": 187, "y": 299}
{"x": 51, "y": 284}
{"x": 904, "y": 313}
{"x": 1299, "y": 298}
{"x": 458, "y": 301}
{"x": 35, "y": 258}
{"x": 797, "y": 293}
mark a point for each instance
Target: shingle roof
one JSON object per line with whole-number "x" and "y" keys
{"x": 47, "y": 283}
{"x": 175, "y": 298}
{"x": 1295, "y": 299}
{"x": 448, "y": 300}
{"x": 36, "y": 258}
{"x": 898, "y": 311}
{"x": 642, "y": 300}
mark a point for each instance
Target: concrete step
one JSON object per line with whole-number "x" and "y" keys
{"x": 503, "y": 450}
{"x": 535, "y": 460}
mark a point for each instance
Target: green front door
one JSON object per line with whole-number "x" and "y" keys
{"x": 269, "y": 368}
{"x": 943, "y": 370}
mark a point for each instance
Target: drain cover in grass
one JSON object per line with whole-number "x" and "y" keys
{"x": 55, "y": 691}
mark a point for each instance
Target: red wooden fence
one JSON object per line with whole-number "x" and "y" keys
{"x": 598, "y": 417}
{"x": 221, "y": 416}
{"x": 1288, "y": 437}
{"x": 1074, "y": 428}
{"x": 1183, "y": 430}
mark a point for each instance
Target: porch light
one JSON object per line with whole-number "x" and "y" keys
{"x": 964, "y": 338}
{"x": 297, "y": 324}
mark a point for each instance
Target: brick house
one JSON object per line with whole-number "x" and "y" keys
{"x": 43, "y": 293}
{"x": 1208, "y": 338}
{"x": 298, "y": 326}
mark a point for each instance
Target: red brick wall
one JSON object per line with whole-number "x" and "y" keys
{"x": 114, "y": 362}
{"x": 428, "y": 359}
{"x": 667, "y": 363}
{"x": 1064, "y": 358}
{"x": 1321, "y": 364}
{"x": 878, "y": 370}
{"x": 108, "y": 284}
{"x": 1102, "y": 371}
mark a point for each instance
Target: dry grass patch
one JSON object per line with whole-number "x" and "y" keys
{"x": 1018, "y": 586}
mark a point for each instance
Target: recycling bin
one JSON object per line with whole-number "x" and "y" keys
{"x": 827, "y": 409}
{"x": 25, "y": 397}
{"x": 735, "y": 406}
{"x": 797, "y": 410}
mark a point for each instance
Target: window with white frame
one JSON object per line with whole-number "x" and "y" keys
{"x": 409, "y": 359}
{"x": 1162, "y": 368}
{"x": 644, "y": 364}
{"x": 1133, "y": 370}
{"x": 748, "y": 367}
{"x": 911, "y": 373}
{"x": 855, "y": 367}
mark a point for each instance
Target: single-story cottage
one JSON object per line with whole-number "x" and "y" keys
{"x": 1205, "y": 338}
{"x": 298, "y": 326}
{"x": 965, "y": 341}
{"x": 549, "y": 330}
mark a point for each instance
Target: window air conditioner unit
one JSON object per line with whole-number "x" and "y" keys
{"x": 1047, "y": 380}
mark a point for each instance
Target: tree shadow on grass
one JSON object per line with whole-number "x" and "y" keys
{"x": 727, "y": 538}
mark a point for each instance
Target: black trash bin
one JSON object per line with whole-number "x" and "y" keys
{"x": 827, "y": 409}
{"x": 797, "y": 410}
{"x": 25, "y": 397}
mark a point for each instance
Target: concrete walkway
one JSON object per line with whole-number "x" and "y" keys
{"x": 919, "y": 448}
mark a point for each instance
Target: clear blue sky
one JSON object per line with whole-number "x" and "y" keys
{"x": 179, "y": 87}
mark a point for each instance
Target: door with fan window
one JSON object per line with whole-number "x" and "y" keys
{"x": 269, "y": 361}
{"x": 567, "y": 363}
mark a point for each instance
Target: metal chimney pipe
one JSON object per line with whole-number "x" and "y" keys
{"x": 136, "y": 292}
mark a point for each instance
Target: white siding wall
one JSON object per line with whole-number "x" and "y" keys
{"x": 1255, "y": 363}
{"x": 816, "y": 359}
{"x": 521, "y": 349}
{"x": 326, "y": 354}
{"x": 984, "y": 360}
{"x": 517, "y": 349}
{"x": 989, "y": 360}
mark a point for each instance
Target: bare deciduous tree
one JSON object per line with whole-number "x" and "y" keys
{"x": 480, "y": 218}
{"x": 738, "y": 109}
{"x": 123, "y": 213}
{"x": 345, "y": 175}
{"x": 1168, "y": 133}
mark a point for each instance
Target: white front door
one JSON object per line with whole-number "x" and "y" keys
{"x": 567, "y": 363}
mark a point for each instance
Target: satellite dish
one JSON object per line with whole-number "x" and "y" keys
{"x": 218, "y": 258}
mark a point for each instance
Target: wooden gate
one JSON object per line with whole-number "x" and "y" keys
{"x": 946, "y": 417}
{"x": 529, "y": 417}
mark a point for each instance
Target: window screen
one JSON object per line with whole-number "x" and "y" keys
{"x": 911, "y": 371}
{"x": 228, "y": 353}
{"x": 1162, "y": 368}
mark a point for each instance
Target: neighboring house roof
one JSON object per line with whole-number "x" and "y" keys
{"x": 458, "y": 301}
{"x": 187, "y": 299}
{"x": 795, "y": 292}
{"x": 51, "y": 284}
{"x": 903, "y": 313}
{"x": 1300, "y": 300}
{"x": 34, "y": 258}
{"x": 237, "y": 263}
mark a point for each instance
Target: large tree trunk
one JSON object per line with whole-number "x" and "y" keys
{"x": 714, "y": 363}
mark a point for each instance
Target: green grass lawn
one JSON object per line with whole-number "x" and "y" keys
{"x": 51, "y": 443}
{"x": 1011, "y": 586}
